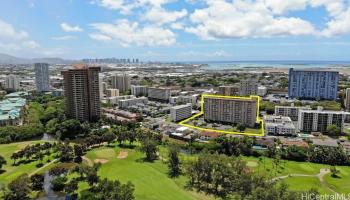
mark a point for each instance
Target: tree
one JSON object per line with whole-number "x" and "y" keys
{"x": 174, "y": 161}
{"x": 241, "y": 127}
{"x": 58, "y": 183}
{"x": 18, "y": 189}
{"x": 66, "y": 152}
{"x": 71, "y": 187}
{"x": 149, "y": 146}
{"x": 2, "y": 162}
{"x": 78, "y": 152}
{"x": 334, "y": 172}
{"x": 333, "y": 130}
{"x": 109, "y": 137}
{"x": 107, "y": 189}
{"x": 37, "y": 181}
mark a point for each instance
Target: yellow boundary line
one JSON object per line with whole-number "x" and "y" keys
{"x": 258, "y": 120}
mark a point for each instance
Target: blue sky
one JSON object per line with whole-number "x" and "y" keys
{"x": 177, "y": 30}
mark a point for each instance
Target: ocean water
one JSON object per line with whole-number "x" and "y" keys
{"x": 272, "y": 64}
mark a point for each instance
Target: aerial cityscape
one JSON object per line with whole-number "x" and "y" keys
{"x": 175, "y": 100}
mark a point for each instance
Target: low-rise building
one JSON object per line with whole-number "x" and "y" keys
{"x": 11, "y": 110}
{"x": 278, "y": 125}
{"x": 262, "y": 91}
{"x": 115, "y": 100}
{"x": 180, "y": 112}
{"x": 130, "y": 102}
{"x": 183, "y": 100}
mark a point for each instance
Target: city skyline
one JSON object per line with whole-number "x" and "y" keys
{"x": 184, "y": 30}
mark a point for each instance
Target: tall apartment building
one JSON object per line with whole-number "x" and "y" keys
{"x": 347, "y": 99}
{"x": 12, "y": 82}
{"x": 318, "y": 120}
{"x": 311, "y": 84}
{"x": 228, "y": 90}
{"x": 82, "y": 93}
{"x": 139, "y": 90}
{"x": 181, "y": 112}
{"x": 159, "y": 94}
{"x": 229, "y": 110}
{"x": 42, "y": 79}
{"x": 278, "y": 125}
{"x": 290, "y": 111}
{"x": 248, "y": 87}
{"x": 121, "y": 82}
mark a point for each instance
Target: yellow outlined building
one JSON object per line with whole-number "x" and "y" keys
{"x": 258, "y": 120}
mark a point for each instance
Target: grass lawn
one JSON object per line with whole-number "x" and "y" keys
{"x": 150, "y": 179}
{"x": 340, "y": 184}
{"x": 306, "y": 183}
{"x": 287, "y": 167}
{"x": 11, "y": 172}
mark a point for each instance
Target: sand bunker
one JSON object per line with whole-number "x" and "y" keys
{"x": 102, "y": 161}
{"x": 123, "y": 154}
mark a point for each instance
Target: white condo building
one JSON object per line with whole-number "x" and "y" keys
{"x": 162, "y": 94}
{"x": 12, "y": 82}
{"x": 318, "y": 120}
{"x": 139, "y": 90}
{"x": 248, "y": 87}
{"x": 42, "y": 79}
{"x": 181, "y": 112}
{"x": 278, "y": 125}
{"x": 290, "y": 111}
{"x": 130, "y": 102}
{"x": 121, "y": 82}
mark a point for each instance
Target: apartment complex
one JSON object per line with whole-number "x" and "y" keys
{"x": 11, "y": 109}
{"x": 231, "y": 110}
{"x": 159, "y": 94}
{"x": 42, "y": 79}
{"x": 82, "y": 93}
{"x": 12, "y": 82}
{"x": 290, "y": 111}
{"x": 178, "y": 113}
{"x": 262, "y": 91}
{"x": 184, "y": 100}
{"x": 278, "y": 125}
{"x": 347, "y": 99}
{"x": 318, "y": 120}
{"x": 139, "y": 90}
{"x": 248, "y": 87}
{"x": 130, "y": 102}
{"x": 310, "y": 84}
{"x": 121, "y": 82}
{"x": 112, "y": 92}
{"x": 228, "y": 90}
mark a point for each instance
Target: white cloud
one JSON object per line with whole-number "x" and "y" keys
{"x": 9, "y": 32}
{"x": 161, "y": 16}
{"x": 339, "y": 25}
{"x": 65, "y": 37}
{"x": 68, "y": 28}
{"x": 127, "y": 33}
{"x": 100, "y": 37}
{"x": 177, "y": 26}
{"x": 241, "y": 19}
